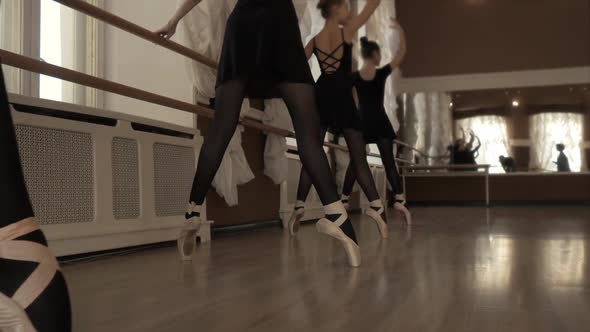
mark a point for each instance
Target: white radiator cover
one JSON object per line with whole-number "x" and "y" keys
{"x": 96, "y": 187}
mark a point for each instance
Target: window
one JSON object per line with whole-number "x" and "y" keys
{"x": 11, "y": 32}
{"x": 51, "y": 49}
{"x": 549, "y": 129}
{"x": 57, "y": 35}
{"x": 492, "y": 132}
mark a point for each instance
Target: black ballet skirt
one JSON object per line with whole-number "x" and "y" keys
{"x": 371, "y": 94}
{"x": 334, "y": 89}
{"x": 263, "y": 46}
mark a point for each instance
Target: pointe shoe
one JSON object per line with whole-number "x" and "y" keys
{"x": 187, "y": 239}
{"x": 380, "y": 219}
{"x": 295, "y": 220}
{"x": 352, "y": 249}
{"x": 13, "y": 317}
{"x": 346, "y": 204}
{"x": 399, "y": 206}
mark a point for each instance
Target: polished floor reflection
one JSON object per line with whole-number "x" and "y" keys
{"x": 457, "y": 269}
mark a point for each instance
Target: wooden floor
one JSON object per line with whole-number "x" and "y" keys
{"x": 458, "y": 269}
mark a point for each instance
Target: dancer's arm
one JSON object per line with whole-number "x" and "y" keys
{"x": 309, "y": 48}
{"x": 358, "y": 21}
{"x": 472, "y": 135}
{"x": 401, "y": 52}
{"x": 168, "y": 30}
{"x": 478, "y": 145}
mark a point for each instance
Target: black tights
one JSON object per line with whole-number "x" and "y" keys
{"x": 300, "y": 100}
{"x": 385, "y": 146}
{"x": 51, "y": 310}
{"x": 358, "y": 165}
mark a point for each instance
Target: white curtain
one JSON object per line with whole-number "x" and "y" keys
{"x": 428, "y": 125}
{"x": 203, "y": 30}
{"x": 549, "y": 129}
{"x": 233, "y": 171}
{"x": 493, "y": 134}
{"x": 275, "y": 150}
{"x": 11, "y": 36}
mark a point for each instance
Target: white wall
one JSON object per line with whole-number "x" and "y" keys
{"x": 133, "y": 61}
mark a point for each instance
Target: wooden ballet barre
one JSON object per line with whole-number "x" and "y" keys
{"x": 40, "y": 67}
{"x": 406, "y": 172}
{"x": 447, "y": 167}
{"x": 119, "y": 22}
{"x": 114, "y": 20}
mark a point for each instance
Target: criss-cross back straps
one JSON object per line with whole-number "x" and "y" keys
{"x": 28, "y": 251}
{"x": 330, "y": 63}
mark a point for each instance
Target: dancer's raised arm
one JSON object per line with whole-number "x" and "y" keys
{"x": 168, "y": 30}
{"x": 358, "y": 21}
{"x": 401, "y": 52}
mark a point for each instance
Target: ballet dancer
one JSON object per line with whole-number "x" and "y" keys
{"x": 370, "y": 86}
{"x": 263, "y": 56}
{"x": 33, "y": 292}
{"x": 333, "y": 49}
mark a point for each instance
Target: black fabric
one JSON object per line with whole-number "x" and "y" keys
{"x": 14, "y": 202}
{"x": 334, "y": 89}
{"x": 228, "y": 103}
{"x": 262, "y": 46}
{"x": 300, "y": 102}
{"x": 509, "y": 165}
{"x": 358, "y": 165}
{"x": 192, "y": 215}
{"x": 346, "y": 227}
{"x": 371, "y": 95}
{"x": 385, "y": 146}
{"x": 51, "y": 310}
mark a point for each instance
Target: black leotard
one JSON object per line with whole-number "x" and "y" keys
{"x": 371, "y": 94}
{"x": 334, "y": 89}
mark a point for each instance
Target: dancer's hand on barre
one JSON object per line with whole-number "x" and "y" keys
{"x": 168, "y": 30}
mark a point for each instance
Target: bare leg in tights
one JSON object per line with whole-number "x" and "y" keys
{"x": 300, "y": 101}
{"x": 385, "y": 146}
{"x": 23, "y": 246}
{"x": 358, "y": 156}
{"x": 358, "y": 165}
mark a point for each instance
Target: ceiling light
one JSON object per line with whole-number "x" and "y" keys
{"x": 515, "y": 103}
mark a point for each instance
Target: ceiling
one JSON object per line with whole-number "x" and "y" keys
{"x": 497, "y": 98}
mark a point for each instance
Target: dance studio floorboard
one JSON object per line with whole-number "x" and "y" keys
{"x": 457, "y": 269}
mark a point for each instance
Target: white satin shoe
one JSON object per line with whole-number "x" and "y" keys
{"x": 295, "y": 220}
{"x": 187, "y": 239}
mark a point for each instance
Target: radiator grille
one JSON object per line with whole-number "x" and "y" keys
{"x": 126, "y": 194}
{"x": 59, "y": 171}
{"x": 174, "y": 168}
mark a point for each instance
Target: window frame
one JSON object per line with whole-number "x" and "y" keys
{"x": 89, "y": 59}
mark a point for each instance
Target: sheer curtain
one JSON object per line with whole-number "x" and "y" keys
{"x": 427, "y": 124}
{"x": 549, "y": 129}
{"x": 492, "y": 132}
{"x": 11, "y": 36}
